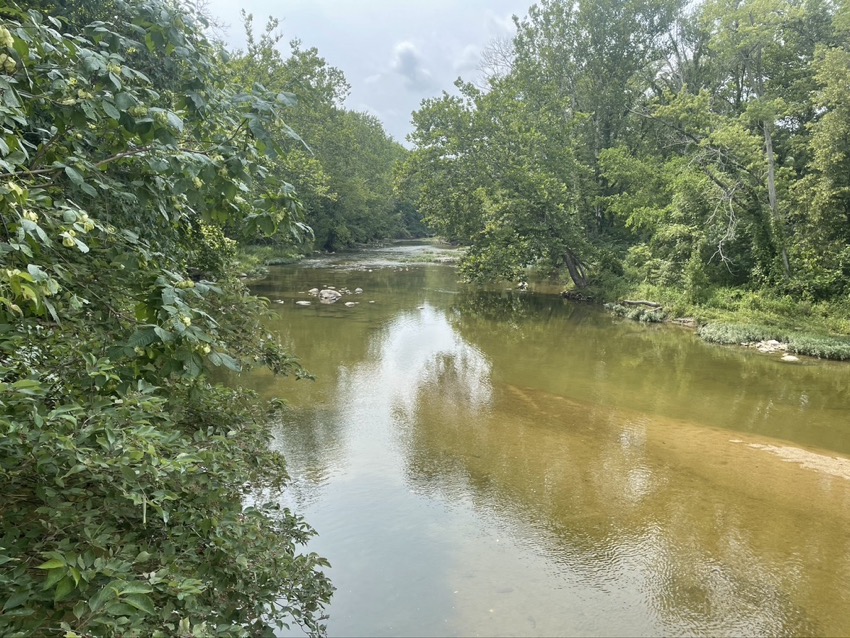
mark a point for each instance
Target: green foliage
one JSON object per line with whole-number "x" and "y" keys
{"x": 820, "y": 347}
{"x": 728, "y": 333}
{"x": 127, "y": 477}
{"x": 343, "y": 169}
{"x": 823, "y": 213}
{"x": 701, "y": 146}
{"x": 637, "y": 313}
{"x": 515, "y": 171}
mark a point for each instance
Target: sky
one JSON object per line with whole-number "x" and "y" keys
{"x": 394, "y": 53}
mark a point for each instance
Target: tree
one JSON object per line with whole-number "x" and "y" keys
{"x": 516, "y": 171}
{"x": 822, "y": 197}
{"x": 343, "y": 167}
{"x": 125, "y": 473}
{"x": 734, "y": 102}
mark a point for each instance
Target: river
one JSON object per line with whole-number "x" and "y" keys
{"x": 483, "y": 463}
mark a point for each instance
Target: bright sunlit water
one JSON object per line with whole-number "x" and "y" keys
{"x": 496, "y": 463}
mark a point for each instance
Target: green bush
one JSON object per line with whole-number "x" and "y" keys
{"x": 138, "y": 499}
{"x": 727, "y": 333}
{"x": 821, "y": 347}
{"x": 642, "y": 314}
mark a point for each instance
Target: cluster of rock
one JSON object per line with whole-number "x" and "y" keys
{"x": 771, "y": 346}
{"x": 331, "y": 295}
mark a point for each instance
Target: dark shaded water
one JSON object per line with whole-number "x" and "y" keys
{"x": 494, "y": 463}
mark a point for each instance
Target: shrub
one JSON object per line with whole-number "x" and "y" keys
{"x": 728, "y": 333}
{"x": 821, "y": 347}
{"x": 131, "y": 486}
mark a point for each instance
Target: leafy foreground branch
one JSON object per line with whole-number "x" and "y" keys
{"x": 125, "y": 474}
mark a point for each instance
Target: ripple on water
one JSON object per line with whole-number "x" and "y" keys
{"x": 496, "y": 466}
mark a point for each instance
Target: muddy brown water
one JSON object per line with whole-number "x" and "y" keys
{"x": 482, "y": 463}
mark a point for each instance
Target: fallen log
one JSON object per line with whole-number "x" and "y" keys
{"x": 649, "y": 304}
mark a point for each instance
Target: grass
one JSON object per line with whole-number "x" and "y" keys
{"x": 735, "y": 333}
{"x": 821, "y": 347}
{"x": 813, "y": 345}
{"x": 734, "y": 316}
{"x": 254, "y": 260}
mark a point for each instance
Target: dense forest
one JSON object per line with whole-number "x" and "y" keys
{"x": 692, "y": 153}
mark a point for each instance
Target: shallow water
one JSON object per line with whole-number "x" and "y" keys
{"x": 495, "y": 463}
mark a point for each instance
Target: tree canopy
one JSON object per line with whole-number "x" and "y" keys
{"x": 139, "y": 498}
{"x": 683, "y": 145}
{"x": 343, "y": 170}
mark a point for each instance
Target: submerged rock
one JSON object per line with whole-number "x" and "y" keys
{"x": 313, "y": 291}
{"x": 351, "y": 304}
{"x": 790, "y": 358}
{"x": 303, "y": 303}
{"x": 329, "y": 295}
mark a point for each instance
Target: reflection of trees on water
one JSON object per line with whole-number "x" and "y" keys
{"x": 313, "y": 446}
{"x": 514, "y": 312}
{"x": 610, "y": 504}
{"x": 606, "y": 502}
{"x": 577, "y": 351}
{"x": 414, "y": 349}
{"x": 331, "y": 342}
{"x": 562, "y": 422}
{"x": 422, "y": 350}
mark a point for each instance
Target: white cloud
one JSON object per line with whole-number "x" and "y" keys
{"x": 393, "y": 52}
{"x": 409, "y": 63}
{"x": 468, "y": 60}
{"x": 501, "y": 25}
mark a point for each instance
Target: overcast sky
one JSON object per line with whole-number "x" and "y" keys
{"x": 394, "y": 53}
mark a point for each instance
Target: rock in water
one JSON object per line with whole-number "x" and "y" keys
{"x": 302, "y": 303}
{"x": 790, "y": 358}
{"x": 328, "y": 295}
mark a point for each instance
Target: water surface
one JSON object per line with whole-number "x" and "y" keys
{"x": 496, "y": 463}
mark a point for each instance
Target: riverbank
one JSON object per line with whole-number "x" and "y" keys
{"x": 252, "y": 261}
{"x": 726, "y": 316}
{"x": 731, "y": 316}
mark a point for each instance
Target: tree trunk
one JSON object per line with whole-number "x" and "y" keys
{"x": 779, "y": 231}
{"x": 576, "y": 269}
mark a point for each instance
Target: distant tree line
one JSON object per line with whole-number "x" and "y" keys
{"x": 341, "y": 162}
